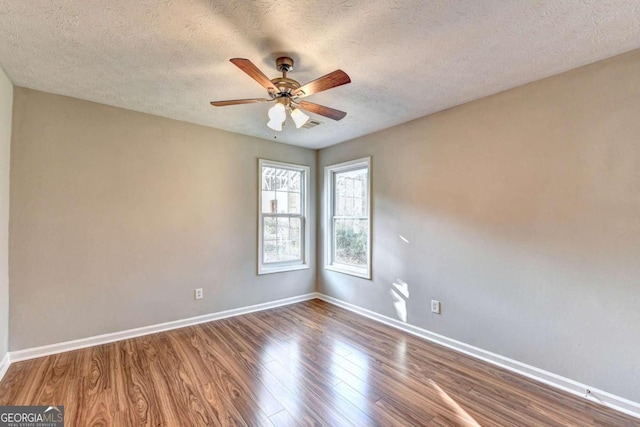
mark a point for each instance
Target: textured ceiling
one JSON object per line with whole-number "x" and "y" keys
{"x": 406, "y": 58}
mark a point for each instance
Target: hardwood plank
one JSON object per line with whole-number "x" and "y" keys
{"x": 286, "y": 350}
{"x": 295, "y": 403}
{"x": 178, "y": 389}
{"x": 95, "y": 408}
{"x": 283, "y": 419}
{"x": 230, "y": 378}
{"x": 30, "y": 386}
{"x": 142, "y": 404}
{"x": 377, "y": 412}
{"x": 55, "y": 381}
{"x": 16, "y": 379}
{"x": 244, "y": 365}
{"x": 405, "y": 416}
{"x": 332, "y": 408}
{"x": 310, "y": 364}
{"x": 210, "y": 376}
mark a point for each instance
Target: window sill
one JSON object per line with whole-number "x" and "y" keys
{"x": 282, "y": 269}
{"x": 357, "y": 272}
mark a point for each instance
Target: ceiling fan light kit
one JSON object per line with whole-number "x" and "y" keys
{"x": 288, "y": 93}
{"x": 278, "y": 115}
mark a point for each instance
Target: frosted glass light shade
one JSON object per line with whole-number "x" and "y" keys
{"x": 277, "y": 116}
{"x": 275, "y": 125}
{"x": 299, "y": 117}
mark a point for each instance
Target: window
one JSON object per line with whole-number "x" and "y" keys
{"x": 283, "y": 205}
{"x": 348, "y": 223}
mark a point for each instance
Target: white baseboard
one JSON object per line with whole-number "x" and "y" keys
{"x": 599, "y": 396}
{"x": 4, "y": 365}
{"x": 46, "y": 350}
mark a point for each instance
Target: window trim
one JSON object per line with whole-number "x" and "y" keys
{"x": 304, "y": 220}
{"x": 329, "y": 181}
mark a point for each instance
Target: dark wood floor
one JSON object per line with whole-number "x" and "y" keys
{"x": 305, "y": 364}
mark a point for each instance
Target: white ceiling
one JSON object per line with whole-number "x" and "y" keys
{"x": 406, "y": 58}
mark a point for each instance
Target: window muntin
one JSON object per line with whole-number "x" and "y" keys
{"x": 282, "y": 223}
{"x": 348, "y": 239}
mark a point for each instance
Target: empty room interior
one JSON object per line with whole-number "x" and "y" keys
{"x": 319, "y": 213}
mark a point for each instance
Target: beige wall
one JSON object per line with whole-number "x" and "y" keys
{"x": 117, "y": 216}
{"x": 522, "y": 212}
{"x": 6, "y": 105}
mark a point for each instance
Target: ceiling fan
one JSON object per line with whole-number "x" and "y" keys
{"x": 288, "y": 93}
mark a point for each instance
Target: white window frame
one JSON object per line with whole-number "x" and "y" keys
{"x": 329, "y": 243}
{"x": 279, "y": 267}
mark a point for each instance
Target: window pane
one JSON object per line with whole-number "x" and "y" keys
{"x": 294, "y": 230}
{"x": 281, "y": 191}
{"x": 282, "y": 199}
{"x": 294, "y": 203}
{"x": 282, "y": 239}
{"x": 267, "y": 178}
{"x": 270, "y": 246}
{"x": 282, "y": 179}
{"x": 270, "y": 251}
{"x": 293, "y": 251}
{"x": 269, "y": 204}
{"x": 295, "y": 178}
{"x": 351, "y": 241}
{"x": 283, "y": 228}
{"x": 351, "y": 193}
{"x": 270, "y": 228}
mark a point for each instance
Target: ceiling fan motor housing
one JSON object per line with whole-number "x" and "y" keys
{"x": 285, "y": 86}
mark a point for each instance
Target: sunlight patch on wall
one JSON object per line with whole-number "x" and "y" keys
{"x": 400, "y": 294}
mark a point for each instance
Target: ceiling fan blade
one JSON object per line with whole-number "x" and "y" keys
{"x": 322, "y": 110}
{"x": 238, "y": 101}
{"x": 331, "y": 80}
{"x": 255, "y": 73}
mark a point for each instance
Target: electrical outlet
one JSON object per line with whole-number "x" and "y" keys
{"x": 198, "y": 293}
{"x": 435, "y": 306}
